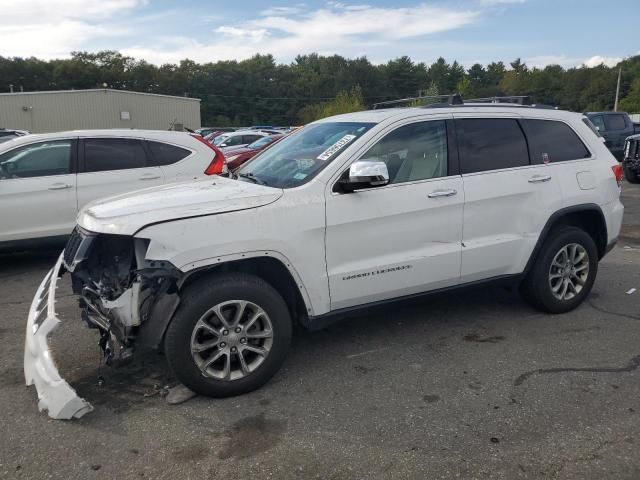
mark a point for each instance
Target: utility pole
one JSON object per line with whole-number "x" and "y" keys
{"x": 615, "y": 104}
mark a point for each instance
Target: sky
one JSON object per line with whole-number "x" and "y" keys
{"x": 541, "y": 32}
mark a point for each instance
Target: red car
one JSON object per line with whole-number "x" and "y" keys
{"x": 237, "y": 156}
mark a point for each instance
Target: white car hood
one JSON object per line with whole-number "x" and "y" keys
{"x": 127, "y": 213}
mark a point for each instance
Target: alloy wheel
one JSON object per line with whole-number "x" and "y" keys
{"x": 231, "y": 340}
{"x": 569, "y": 271}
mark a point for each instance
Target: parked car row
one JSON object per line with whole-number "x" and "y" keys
{"x": 631, "y": 161}
{"x": 9, "y": 134}
{"x": 614, "y": 127}
{"x": 236, "y": 156}
{"x": 47, "y": 178}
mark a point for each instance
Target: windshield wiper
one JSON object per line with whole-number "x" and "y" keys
{"x": 251, "y": 177}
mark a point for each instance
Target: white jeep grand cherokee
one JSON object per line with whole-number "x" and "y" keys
{"x": 348, "y": 212}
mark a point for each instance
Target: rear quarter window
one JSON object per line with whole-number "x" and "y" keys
{"x": 490, "y": 144}
{"x": 552, "y": 141}
{"x": 167, "y": 154}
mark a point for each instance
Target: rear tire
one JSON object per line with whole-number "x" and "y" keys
{"x": 632, "y": 177}
{"x": 214, "y": 341}
{"x": 563, "y": 272}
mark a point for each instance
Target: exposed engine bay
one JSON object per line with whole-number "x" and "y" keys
{"x": 121, "y": 293}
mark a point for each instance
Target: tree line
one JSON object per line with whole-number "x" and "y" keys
{"x": 259, "y": 90}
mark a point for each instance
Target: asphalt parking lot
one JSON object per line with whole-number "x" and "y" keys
{"x": 472, "y": 384}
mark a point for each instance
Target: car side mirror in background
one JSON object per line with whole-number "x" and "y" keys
{"x": 222, "y": 145}
{"x": 365, "y": 174}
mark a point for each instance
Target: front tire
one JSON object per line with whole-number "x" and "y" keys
{"x": 230, "y": 335}
{"x": 564, "y": 271}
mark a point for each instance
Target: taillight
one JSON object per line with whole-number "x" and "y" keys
{"x": 618, "y": 173}
{"x": 218, "y": 164}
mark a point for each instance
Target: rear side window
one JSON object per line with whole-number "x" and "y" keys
{"x": 104, "y": 154}
{"x": 250, "y": 138}
{"x": 615, "y": 122}
{"x": 37, "y": 160}
{"x": 490, "y": 144}
{"x": 166, "y": 154}
{"x": 233, "y": 141}
{"x": 551, "y": 141}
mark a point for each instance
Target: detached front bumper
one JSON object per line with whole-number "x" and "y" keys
{"x": 54, "y": 394}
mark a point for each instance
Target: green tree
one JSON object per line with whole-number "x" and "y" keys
{"x": 259, "y": 90}
{"x": 345, "y": 102}
{"x": 631, "y": 103}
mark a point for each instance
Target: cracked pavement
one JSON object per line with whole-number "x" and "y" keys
{"x": 469, "y": 384}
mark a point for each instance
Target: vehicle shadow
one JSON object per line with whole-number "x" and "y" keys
{"x": 19, "y": 262}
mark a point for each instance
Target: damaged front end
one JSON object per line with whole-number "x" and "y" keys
{"x": 129, "y": 300}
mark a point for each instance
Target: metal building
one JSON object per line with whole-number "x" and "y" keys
{"x": 55, "y": 111}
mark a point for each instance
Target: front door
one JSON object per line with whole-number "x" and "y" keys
{"x": 38, "y": 190}
{"x": 402, "y": 238}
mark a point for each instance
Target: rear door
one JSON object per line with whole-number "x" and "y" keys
{"x": 507, "y": 200}
{"x": 558, "y": 152}
{"x": 113, "y": 165}
{"x": 38, "y": 190}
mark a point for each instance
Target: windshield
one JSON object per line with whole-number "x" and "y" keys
{"x": 300, "y": 156}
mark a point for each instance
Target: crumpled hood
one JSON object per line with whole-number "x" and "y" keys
{"x": 127, "y": 213}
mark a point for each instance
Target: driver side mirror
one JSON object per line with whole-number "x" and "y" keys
{"x": 222, "y": 145}
{"x": 365, "y": 174}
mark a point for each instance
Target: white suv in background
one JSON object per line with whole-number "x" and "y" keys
{"x": 346, "y": 213}
{"x": 45, "y": 179}
{"x": 239, "y": 138}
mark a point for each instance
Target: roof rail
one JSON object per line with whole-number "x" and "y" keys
{"x": 456, "y": 100}
{"x": 517, "y": 99}
{"x": 449, "y": 99}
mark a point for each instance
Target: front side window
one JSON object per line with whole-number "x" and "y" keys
{"x": 413, "y": 152}
{"x": 220, "y": 139}
{"x": 551, "y": 141}
{"x": 104, "y": 154}
{"x": 300, "y": 156}
{"x": 615, "y": 122}
{"x": 234, "y": 141}
{"x": 37, "y": 160}
{"x": 598, "y": 122}
{"x": 167, "y": 154}
{"x": 490, "y": 144}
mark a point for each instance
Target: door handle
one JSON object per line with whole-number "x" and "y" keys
{"x": 540, "y": 178}
{"x": 59, "y": 186}
{"x": 442, "y": 193}
{"x": 149, "y": 176}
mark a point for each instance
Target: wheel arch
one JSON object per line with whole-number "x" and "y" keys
{"x": 272, "y": 267}
{"x": 588, "y": 217}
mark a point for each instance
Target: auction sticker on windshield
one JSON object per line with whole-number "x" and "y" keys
{"x": 336, "y": 147}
